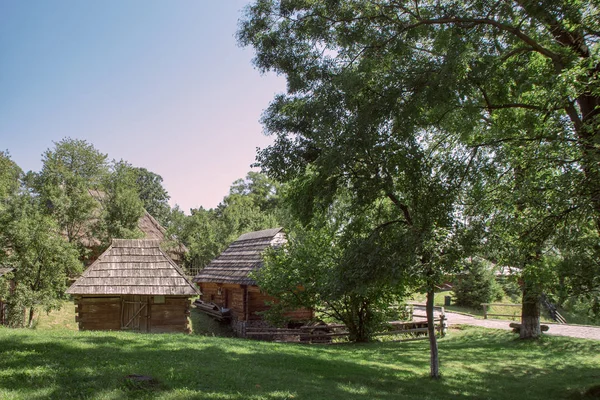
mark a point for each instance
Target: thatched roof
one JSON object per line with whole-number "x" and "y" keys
{"x": 5, "y": 270}
{"x": 133, "y": 266}
{"x": 241, "y": 257}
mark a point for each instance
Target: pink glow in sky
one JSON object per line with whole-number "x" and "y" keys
{"x": 162, "y": 85}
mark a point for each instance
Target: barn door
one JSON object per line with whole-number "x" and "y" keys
{"x": 134, "y": 313}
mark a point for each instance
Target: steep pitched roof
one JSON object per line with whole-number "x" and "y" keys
{"x": 241, "y": 257}
{"x": 133, "y": 266}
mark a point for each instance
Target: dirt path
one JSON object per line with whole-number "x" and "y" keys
{"x": 576, "y": 331}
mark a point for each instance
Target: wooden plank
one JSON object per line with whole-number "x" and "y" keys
{"x": 87, "y": 300}
{"x": 505, "y": 315}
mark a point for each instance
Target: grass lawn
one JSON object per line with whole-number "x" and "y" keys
{"x": 476, "y": 364}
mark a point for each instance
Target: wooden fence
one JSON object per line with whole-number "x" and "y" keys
{"x": 486, "y": 313}
{"x": 326, "y": 333}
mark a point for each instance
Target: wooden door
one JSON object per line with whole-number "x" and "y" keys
{"x": 134, "y": 313}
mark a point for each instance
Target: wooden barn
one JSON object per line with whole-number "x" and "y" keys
{"x": 134, "y": 286}
{"x": 3, "y": 309}
{"x": 225, "y": 281}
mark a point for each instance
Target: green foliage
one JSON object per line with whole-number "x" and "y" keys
{"x": 262, "y": 191}
{"x": 341, "y": 271}
{"x": 121, "y": 206}
{"x": 153, "y": 194}
{"x": 70, "y": 172}
{"x": 380, "y": 92}
{"x": 250, "y": 206}
{"x": 42, "y": 258}
{"x": 477, "y": 284}
{"x": 9, "y": 176}
{"x": 578, "y": 269}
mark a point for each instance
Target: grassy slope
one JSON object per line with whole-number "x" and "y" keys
{"x": 476, "y": 363}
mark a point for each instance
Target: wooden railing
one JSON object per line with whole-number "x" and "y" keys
{"x": 486, "y": 313}
{"x": 325, "y": 333}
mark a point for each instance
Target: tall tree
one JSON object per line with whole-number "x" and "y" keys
{"x": 262, "y": 190}
{"x": 153, "y": 194}
{"x": 355, "y": 119}
{"x": 486, "y": 74}
{"x": 70, "y": 174}
{"x": 42, "y": 258}
{"x": 120, "y": 203}
{"x": 10, "y": 173}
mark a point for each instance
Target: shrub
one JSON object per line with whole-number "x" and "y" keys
{"x": 477, "y": 284}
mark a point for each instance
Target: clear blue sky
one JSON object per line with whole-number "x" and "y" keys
{"x": 160, "y": 84}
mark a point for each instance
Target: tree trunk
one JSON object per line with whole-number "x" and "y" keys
{"x": 530, "y": 313}
{"x": 30, "y": 321}
{"x": 433, "y": 347}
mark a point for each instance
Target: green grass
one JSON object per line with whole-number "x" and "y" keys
{"x": 475, "y": 363}
{"x": 63, "y": 319}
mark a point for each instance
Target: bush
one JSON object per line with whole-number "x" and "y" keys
{"x": 477, "y": 285}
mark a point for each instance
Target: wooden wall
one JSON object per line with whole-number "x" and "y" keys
{"x": 113, "y": 313}
{"x": 256, "y": 303}
{"x": 98, "y": 313}
{"x": 234, "y": 297}
{"x": 172, "y": 316}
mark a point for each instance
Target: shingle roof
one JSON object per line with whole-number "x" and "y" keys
{"x": 133, "y": 266}
{"x": 240, "y": 258}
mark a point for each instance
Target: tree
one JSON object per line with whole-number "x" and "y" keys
{"x": 477, "y": 284}
{"x": 70, "y": 174}
{"x": 42, "y": 258}
{"x": 152, "y": 193}
{"x": 251, "y": 205}
{"x": 486, "y": 74}
{"x": 351, "y": 122}
{"x": 259, "y": 188}
{"x": 121, "y": 206}
{"x": 10, "y": 173}
{"x": 335, "y": 270}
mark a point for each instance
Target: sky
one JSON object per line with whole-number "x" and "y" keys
{"x": 160, "y": 84}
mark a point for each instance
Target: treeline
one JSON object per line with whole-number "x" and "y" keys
{"x": 55, "y": 222}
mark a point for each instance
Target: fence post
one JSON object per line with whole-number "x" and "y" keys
{"x": 443, "y": 325}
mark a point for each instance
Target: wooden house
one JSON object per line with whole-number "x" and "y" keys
{"x": 135, "y": 286}
{"x": 3, "y": 309}
{"x": 225, "y": 281}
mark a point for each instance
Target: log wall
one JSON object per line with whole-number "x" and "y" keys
{"x": 111, "y": 313}
{"x": 98, "y": 313}
{"x": 172, "y": 316}
{"x": 245, "y": 306}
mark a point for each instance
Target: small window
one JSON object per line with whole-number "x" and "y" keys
{"x": 159, "y": 299}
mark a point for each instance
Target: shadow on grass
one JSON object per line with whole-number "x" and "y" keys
{"x": 96, "y": 366}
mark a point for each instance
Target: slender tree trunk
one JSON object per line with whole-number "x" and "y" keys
{"x": 530, "y": 312}
{"x": 30, "y": 321}
{"x": 433, "y": 347}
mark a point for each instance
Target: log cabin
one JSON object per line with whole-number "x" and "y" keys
{"x": 226, "y": 281}
{"x": 133, "y": 286}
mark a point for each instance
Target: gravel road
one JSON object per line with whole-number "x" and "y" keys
{"x": 576, "y": 331}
